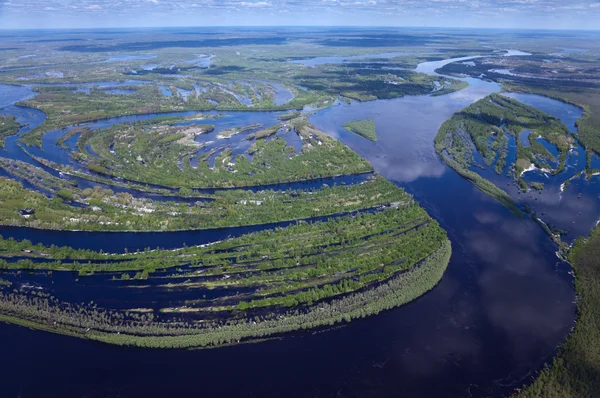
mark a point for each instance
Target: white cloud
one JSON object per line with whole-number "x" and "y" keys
{"x": 517, "y": 13}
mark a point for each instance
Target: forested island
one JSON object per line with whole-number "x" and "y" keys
{"x": 329, "y": 272}
{"x": 364, "y": 128}
{"x": 8, "y": 127}
{"x": 485, "y": 128}
{"x": 316, "y": 255}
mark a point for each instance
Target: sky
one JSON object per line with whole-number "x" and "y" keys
{"x": 527, "y": 14}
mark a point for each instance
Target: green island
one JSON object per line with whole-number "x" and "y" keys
{"x": 485, "y": 127}
{"x": 8, "y": 127}
{"x": 307, "y": 275}
{"x": 364, "y": 128}
{"x": 159, "y": 153}
{"x": 345, "y": 252}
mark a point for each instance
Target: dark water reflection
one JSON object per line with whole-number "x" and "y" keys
{"x": 502, "y": 307}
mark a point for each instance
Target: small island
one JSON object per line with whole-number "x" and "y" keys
{"x": 479, "y": 137}
{"x": 8, "y": 127}
{"x": 364, "y": 128}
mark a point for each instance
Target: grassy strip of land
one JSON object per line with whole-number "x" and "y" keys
{"x": 289, "y": 116}
{"x": 139, "y": 331}
{"x": 364, "y": 128}
{"x": 575, "y": 371}
{"x": 138, "y": 152}
{"x": 485, "y": 186}
{"x": 266, "y": 132}
{"x": 108, "y": 211}
{"x": 8, "y": 127}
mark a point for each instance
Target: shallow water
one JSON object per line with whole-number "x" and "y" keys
{"x": 524, "y": 137}
{"x": 564, "y": 209}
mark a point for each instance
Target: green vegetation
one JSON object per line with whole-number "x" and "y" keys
{"x": 234, "y": 131}
{"x": 267, "y": 132}
{"x": 538, "y": 186}
{"x": 366, "y": 264}
{"x": 289, "y": 116}
{"x": 8, "y": 127}
{"x": 144, "y": 152}
{"x": 484, "y": 127}
{"x": 364, "y": 128}
{"x": 364, "y": 83}
{"x": 588, "y": 126}
{"x": 109, "y": 211}
{"x": 574, "y": 372}
{"x": 65, "y": 194}
{"x": 456, "y": 85}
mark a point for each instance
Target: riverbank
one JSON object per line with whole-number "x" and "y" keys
{"x": 574, "y": 371}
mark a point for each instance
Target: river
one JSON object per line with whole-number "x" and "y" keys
{"x": 503, "y": 306}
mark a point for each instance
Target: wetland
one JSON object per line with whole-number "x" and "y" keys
{"x": 221, "y": 214}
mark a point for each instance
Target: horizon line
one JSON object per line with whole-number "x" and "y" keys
{"x": 299, "y": 26}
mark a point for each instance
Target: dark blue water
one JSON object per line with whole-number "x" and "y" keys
{"x": 524, "y": 137}
{"x": 549, "y": 147}
{"x": 120, "y": 242}
{"x": 109, "y": 293}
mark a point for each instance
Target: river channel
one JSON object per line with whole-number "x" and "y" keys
{"x": 504, "y": 305}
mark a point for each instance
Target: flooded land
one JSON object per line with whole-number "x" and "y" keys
{"x": 405, "y": 218}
